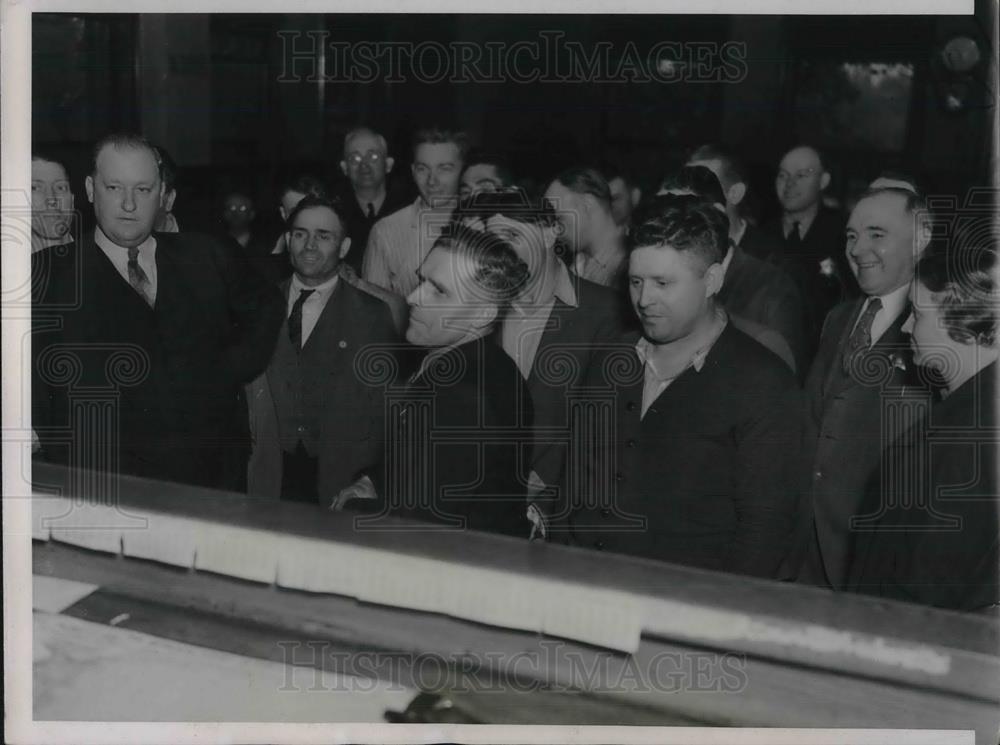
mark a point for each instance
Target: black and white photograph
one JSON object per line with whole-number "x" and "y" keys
{"x": 482, "y": 374}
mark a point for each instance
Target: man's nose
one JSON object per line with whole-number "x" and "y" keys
{"x": 128, "y": 201}
{"x": 907, "y": 327}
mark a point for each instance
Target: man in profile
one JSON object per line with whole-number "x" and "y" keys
{"x": 317, "y": 425}
{"x": 583, "y": 201}
{"x": 399, "y": 243}
{"x": 694, "y": 459}
{"x": 172, "y": 324}
{"x": 368, "y": 198}
{"x": 458, "y": 431}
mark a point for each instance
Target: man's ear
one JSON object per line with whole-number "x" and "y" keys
{"x": 343, "y": 167}
{"x": 714, "y": 277}
{"x": 824, "y": 180}
{"x": 922, "y": 235}
{"x": 736, "y": 193}
{"x": 168, "y": 200}
{"x": 488, "y": 313}
{"x": 345, "y": 246}
{"x": 389, "y": 163}
{"x": 635, "y": 195}
{"x": 88, "y": 184}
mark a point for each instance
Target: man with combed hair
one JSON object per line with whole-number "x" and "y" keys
{"x": 485, "y": 172}
{"x": 697, "y": 463}
{"x": 174, "y": 323}
{"x": 367, "y": 198}
{"x": 864, "y": 362}
{"x": 465, "y": 389}
{"x": 399, "y": 243}
{"x": 583, "y": 201}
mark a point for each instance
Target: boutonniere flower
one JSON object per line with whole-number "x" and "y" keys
{"x": 898, "y": 363}
{"x": 826, "y": 267}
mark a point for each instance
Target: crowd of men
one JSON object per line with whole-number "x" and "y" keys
{"x": 656, "y": 376}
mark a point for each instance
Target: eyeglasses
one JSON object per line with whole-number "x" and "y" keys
{"x": 237, "y": 208}
{"x": 371, "y": 156}
{"x": 797, "y": 176}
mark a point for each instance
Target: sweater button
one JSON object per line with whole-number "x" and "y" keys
{"x": 630, "y": 406}
{"x": 630, "y": 444}
{"x": 619, "y": 476}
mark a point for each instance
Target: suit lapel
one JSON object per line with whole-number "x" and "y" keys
{"x": 558, "y": 323}
{"x": 890, "y": 344}
{"x": 330, "y": 328}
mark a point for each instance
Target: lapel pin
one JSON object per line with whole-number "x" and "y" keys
{"x": 342, "y": 344}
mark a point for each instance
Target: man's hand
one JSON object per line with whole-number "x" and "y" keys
{"x": 363, "y": 488}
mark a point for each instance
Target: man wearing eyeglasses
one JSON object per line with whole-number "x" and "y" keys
{"x": 366, "y": 163}
{"x": 812, "y": 238}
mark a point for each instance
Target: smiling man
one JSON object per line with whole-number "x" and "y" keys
{"x": 317, "y": 425}
{"x": 174, "y": 324}
{"x": 864, "y": 356}
{"x": 697, "y": 464}
{"x": 398, "y": 243}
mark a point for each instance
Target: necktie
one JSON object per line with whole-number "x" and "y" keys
{"x": 295, "y": 319}
{"x": 371, "y": 212}
{"x": 794, "y": 238}
{"x": 137, "y": 277}
{"x": 861, "y": 338}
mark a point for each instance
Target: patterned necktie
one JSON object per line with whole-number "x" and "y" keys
{"x": 137, "y": 277}
{"x": 371, "y": 212}
{"x": 295, "y": 319}
{"x": 861, "y": 338}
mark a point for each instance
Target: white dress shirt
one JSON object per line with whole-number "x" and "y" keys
{"x": 118, "y": 256}
{"x": 312, "y": 308}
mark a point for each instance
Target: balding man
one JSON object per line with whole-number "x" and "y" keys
{"x": 812, "y": 238}
{"x": 168, "y": 325}
{"x": 864, "y": 362}
{"x": 366, "y": 197}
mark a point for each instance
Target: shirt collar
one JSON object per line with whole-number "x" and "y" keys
{"x": 893, "y": 303}
{"x": 644, "y": 347}
{"x": 297, "y": 286}
{"x": 563, "y": 289}
{"x": 113, "y": 249}
{"x": 805, "y": 221}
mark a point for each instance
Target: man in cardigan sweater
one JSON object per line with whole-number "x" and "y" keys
{"x": 695, "y": 465}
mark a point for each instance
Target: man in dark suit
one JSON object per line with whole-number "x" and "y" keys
{"x": 811, "y": 238}
{"x": 553, "y": 331}
{"x": 367, "y": 164}
{"x": 863, "y": 363}
{"x": 317, "y": 424}
{"x": 691, "y": 434}
{"x": 164, "y": 327}
{"x": 460, "y": 427}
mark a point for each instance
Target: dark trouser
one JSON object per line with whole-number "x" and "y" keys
{"x": 299, "y": 476}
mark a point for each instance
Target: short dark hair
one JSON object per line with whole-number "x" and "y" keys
{"x": 49, "y": 158}
{"x": 731, "y": 166}
{"x": 963, "y": 275}
{"x": 331, "y": 203}
{"x": 514, "y": 203}
{"x": 685, "y": 223}
{"x": 699, "y": 180}
{"x": 587, "y": 180}
{"x": 124, "y": 141}
{"x": 499, "y": 162}
{"x": 439, "y": 136}
{"x": 305, "y": 183}
{"x": 168, "y": 168}
{"x": 499, "y": 270}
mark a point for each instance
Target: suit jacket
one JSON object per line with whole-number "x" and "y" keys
{"x": 175, "y": 372}
{"x": 458, "y": 437}
{"x": 572, "y": 339}
{"x": 824, "y": 242}
{"x": 351, "y": 328}
{"x": 845, "y": 436}
{"x": 763, "y": 293}
{"x": 359, "y": 225}
{"x": 706, "y": 477}
{"x": 936, "y": 538}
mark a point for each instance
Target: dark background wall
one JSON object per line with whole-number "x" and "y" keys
{"x": 224, "y": 95}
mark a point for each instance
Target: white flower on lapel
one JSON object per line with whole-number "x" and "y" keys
{"x": 898, "y": 363}
{"x": 826, "y": 267}
{"x": 342, "y": 344}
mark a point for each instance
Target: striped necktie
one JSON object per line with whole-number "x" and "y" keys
{"x": 137, "y": 277}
